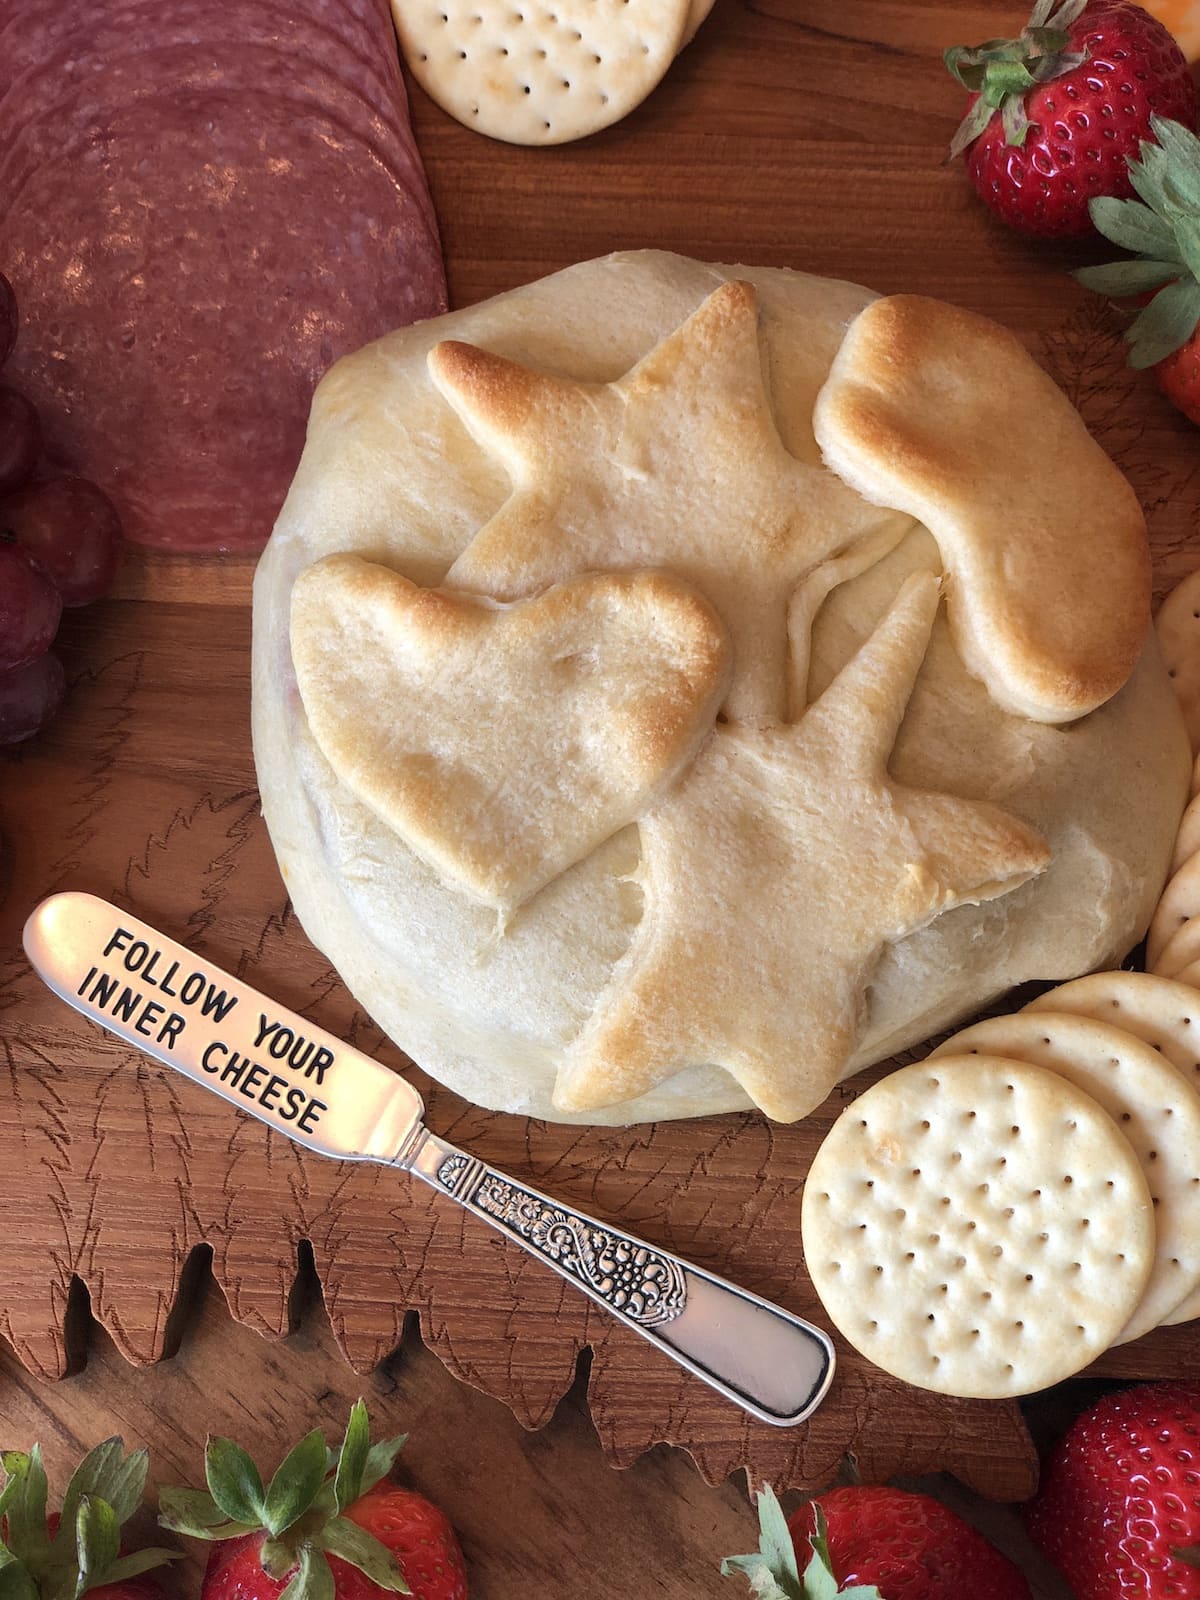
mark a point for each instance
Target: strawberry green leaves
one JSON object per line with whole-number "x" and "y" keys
{"x": 1002, "y": 71}
{"x": 23, "y": 1504}
{"x": 380, "y": 1459}
{"x": 107, "y": 1474}
{"x": 313, "y": 1580}
{"x": 131, "y": 1566}
{"x": 234, "y": 1482}
{"x": 353, "y": 1544}
{"x": 300, "y": 1510}
{"x": 237, "y": 1501}
{"x": 352, "y": 1462}
{"x": 1121, "y": 278}
{"x": 773, "y": 1570}
{"x": 84, "y": 1553}
{"x": 361, "y": 1464}
{"x": 98, "y": 1538}
{"x": 1166, "y": 324}
{"x": 1171, "y": 168}
{"x": 1162, "y": 230}
{"x": 15, "y": 1582}
{"x": 1050, "y": 14}
{"x": 819, "y": 1580}
{"x": 296, "y": 1483}
{"x": 1135, "y": 227}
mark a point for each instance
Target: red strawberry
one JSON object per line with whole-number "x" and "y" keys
{"x": 329, "y": 1526}
{"x": 1178, "y": 376}
{"x": 1163, "y": 229}
{"x": 1119, "y": 1507}
{"x": 419, "y": 1534}
{"x": 76, "y": 1551}
{"x": 874, "y": 1544}
{"x": 1055, "y": 113}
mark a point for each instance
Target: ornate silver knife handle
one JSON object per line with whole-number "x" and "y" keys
{"x": 770, "y": 1362}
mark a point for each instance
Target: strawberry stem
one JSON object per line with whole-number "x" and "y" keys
{"x": 1001, "y": 72}
{"x": 83, "y": 1553}
{"x": 300, "y": 1509}
{"x": 773, "y": 1570}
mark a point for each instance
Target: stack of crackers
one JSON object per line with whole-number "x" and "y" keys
{"x": 987, "y": 1222}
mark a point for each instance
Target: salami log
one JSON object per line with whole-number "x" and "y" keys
{"x": 204, "y": 203}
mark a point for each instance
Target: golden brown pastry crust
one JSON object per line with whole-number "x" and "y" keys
{"x": 393, "y": 473}
{"x": 678, "y": 463}
{"x": 505, "y": 743}
{"x": 827, "y": 861}
{"x": 945, "y": 415}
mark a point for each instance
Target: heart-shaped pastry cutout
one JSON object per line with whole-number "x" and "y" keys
{"x": 503, "y": 743}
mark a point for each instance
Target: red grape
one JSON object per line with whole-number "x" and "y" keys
{"x": 20, "y": 439}
{"x": 30, "y": 608}
{"x": 72, "y": 530}
{"x": 8, "y": 319}
{"x": 29, "y": 697}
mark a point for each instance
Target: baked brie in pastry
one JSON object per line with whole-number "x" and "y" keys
{"x": 678, "y": 686}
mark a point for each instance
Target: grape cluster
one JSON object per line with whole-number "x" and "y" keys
{"x": 60, "y": 540}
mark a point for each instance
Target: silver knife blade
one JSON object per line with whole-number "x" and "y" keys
{"x": 218, "y": 1031}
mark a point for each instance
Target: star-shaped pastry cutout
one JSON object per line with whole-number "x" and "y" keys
{"x": 678, "y": 464}
{"x": 827, "y": 861}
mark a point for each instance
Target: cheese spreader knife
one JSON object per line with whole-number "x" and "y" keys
{"x": 330, "y": 1098}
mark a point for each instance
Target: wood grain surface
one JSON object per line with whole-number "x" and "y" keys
{"x": 541, "y": 1516}
{"x": 793, "y": 132}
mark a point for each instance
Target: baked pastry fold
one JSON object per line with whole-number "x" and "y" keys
{"x": 635, "y": 748}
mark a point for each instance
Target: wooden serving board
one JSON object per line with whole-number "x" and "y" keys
{"x": 793, "y": 132}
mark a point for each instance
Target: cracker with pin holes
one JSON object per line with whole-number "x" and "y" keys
{"x": 1187, "y": 840}
{"x": 1181, "y": 950}
{"x": 977, "y": 1226}
{"x": 1156, "y": 1110}
{"x": 1178, "y": 626}
{"x": 1179, "y": 903}
{"x": 1160, "y": 1011}
{"x": 539, "y": 72}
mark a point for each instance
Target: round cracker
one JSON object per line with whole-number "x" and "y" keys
{"x": 1180, "y": 950}
{"x": 1187, "y": 840}
{"x": 1180, "y": 901}
{"x": 977, "y": 1226}
{"x": 697, "y": 11}
{"x": 1178, "y": 626}
{"x": 1164, "y": 1012}
{"x": 1156, "y": 1110}
{"x": 539, "y": 71}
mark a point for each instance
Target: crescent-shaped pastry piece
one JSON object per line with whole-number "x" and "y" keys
{"x": 938, "y": 412}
